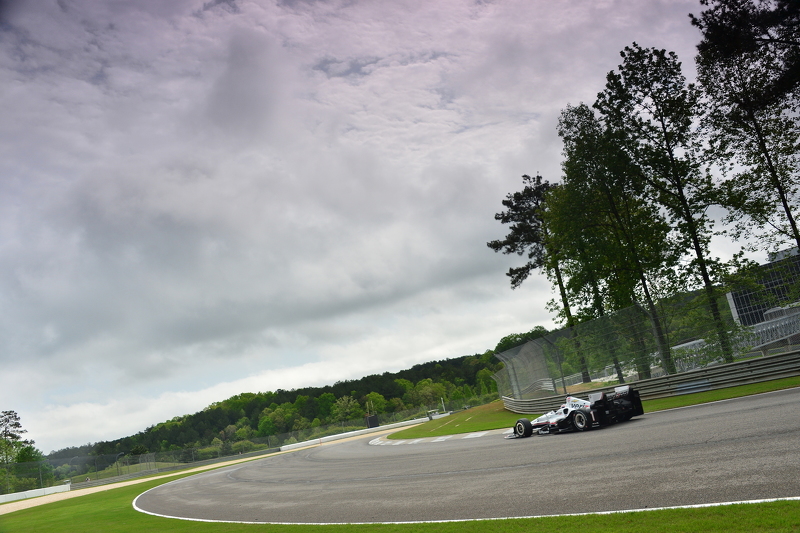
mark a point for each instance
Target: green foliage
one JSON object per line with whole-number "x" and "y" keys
{"x": 376, "y": 403}
{"x": 28, "y": 454}
{"x": 139, "y": 449}
{"x": 518, "y": 339}
{"x": 325, "y": 404}
{"x": 267, "y": 414}
{"x": 406, "y": 385}
{"x": 11, "y": 441}
{"x": 527, "y": 233}
{"x": 653, "y": 113}
{"x": 242, "y": 446}
{"x": 266, "y": 427}
{"x": 734, "y": 30}
{"x": 754, "y": 141}
{"x": 346, "y": 408}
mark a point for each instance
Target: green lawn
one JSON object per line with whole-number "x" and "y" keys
{"x": 490, "y": 416}
{"x": 111, "y": 511}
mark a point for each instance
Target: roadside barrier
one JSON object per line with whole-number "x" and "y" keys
{"x": 340, "y": 436}
{"x": 704, "y": 379}
{"x": 33, "y": 493}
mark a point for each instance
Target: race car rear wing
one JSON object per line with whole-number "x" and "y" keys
{"x": 621, "y": 395}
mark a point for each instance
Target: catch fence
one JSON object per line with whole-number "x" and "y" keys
{"x": 639, "y": 343}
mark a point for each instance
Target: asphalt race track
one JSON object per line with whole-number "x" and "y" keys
{"x": 737, "y": 450}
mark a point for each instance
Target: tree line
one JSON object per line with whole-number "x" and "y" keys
{"x": 643, "y": 166}
{"x": 263, "y": 414}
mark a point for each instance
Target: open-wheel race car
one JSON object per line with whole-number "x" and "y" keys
{"x": 602, "y": 409}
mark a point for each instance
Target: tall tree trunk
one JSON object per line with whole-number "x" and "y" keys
{"x": 585, "y": 377}
{"x": 601, "y": 311}
{"x": 641, "y": 353}
{"x": 658, "y": 330}
{"x": 655, "y": 317}
{"x": 773, "y": 174}
{"x": 708, "y": 286}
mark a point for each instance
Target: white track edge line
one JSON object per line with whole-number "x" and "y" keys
{"x": 695, "y": 506}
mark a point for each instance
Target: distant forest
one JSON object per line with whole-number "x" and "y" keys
{"x": 262, "y": 414}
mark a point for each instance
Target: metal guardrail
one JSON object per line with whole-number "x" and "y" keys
{"x": 357, "y": 433}
{"x": 703, "y": 379}
{"x": 172, "y": 468}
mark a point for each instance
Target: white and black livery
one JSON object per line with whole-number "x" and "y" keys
{"x": 602, "y": 409}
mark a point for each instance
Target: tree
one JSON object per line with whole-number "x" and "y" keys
{"x": 485, "y": 383}
{"x": 528, "y": 236}
{"x": 405, "y": 385}
{"x": 29, "y": 454}
{"x": 325, "y": 404}
{"x": 733, "y": 29}
{"x": 618, "y": 240}
{"x": 427, "y": 392}
{"x": 376, "y": 403}
{"x": 139, "y": 449}
{"x": 754, "y": 140}
{"x": 578, "y": 239}
{"x": 271, "y": 413}
{"x": 266, "y": 427}
{"x": 11, "y": 441}
{"x": 346, "y": 408}
{"x": 517, "y": 339}
{"x": 653, "y": 112}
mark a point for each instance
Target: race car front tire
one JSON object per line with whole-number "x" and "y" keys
{"x": 582, "y": 420}
{"x": 523, "y": 428}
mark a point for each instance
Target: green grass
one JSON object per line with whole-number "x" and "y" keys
{"x": 111, "y": 511}
{"x": 494, "y": 416}
{"x": 721, "y": 394}
{"x": 490, "y": 416}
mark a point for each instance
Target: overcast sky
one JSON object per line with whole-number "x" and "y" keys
{"x": 199, "y": 199}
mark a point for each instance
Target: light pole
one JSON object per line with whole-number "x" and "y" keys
{"x": 557, "y": 355}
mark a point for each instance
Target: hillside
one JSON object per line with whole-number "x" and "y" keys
{"x": 250, "y": 415}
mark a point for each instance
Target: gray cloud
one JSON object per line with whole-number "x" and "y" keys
{"x": 198, "y": 198}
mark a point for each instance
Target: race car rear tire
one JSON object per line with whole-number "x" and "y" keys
{"x": 582, "y": 420}
{"x": 523, "y": 428}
